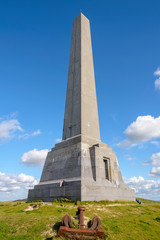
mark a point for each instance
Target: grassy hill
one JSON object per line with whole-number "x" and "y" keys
{"x": 120, "y": 220}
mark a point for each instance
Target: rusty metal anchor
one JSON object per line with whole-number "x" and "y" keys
{"x": 67, "y": 230}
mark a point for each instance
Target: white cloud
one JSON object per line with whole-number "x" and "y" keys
{"x": 34, "y": 157}
{"x": 155, "y": 161}
{"x": 144, "y": 188}
{"x": 36, "y": 133}
{"x": 155, "y": 172}
{"x": 157, "y": 81}
{"x": 129, "y": 158}
{"x": 8, "y": 128}
{"x": 27, "y": 135}
{"x": 157, "y": 84}
{"x": 58, "y": 140}
{"x": 9, "y": 183}
{"x": 11, "y": 127}
{"x": 157, "y": 72}
{"x": 143, "y": 129}
{"x": 146, "y": 163}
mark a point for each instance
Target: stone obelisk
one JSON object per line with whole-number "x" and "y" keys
{"x": 81, "y": 167}
{"x": 81, "y": 114}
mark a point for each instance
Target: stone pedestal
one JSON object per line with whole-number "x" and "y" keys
{"x": 82, "y": 169}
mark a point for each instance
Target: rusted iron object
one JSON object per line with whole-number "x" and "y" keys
{"x": 95, "y": 223}
{"x": 94, "y": 232}
{"x": 66, "y": 221}
{"x": 81, "y": 209}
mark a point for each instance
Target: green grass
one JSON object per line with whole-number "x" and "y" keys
{"x": 121, "y": 220}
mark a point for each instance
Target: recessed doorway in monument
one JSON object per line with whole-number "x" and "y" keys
{"x": 107, "y": 168}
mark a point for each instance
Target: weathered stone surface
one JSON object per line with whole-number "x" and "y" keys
{"x": 77, "y": 171}
{"x": 81, "y": 114}
{"x": 81, "y": 167}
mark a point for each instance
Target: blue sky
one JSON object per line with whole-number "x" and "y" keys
{"x": 34, "y": 57}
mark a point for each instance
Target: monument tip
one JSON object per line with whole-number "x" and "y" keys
{"x": 81, "y": 14}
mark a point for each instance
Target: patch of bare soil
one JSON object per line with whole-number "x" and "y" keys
{"x": 35, "y": 206}
{"x": 102, "y": 209}
{"x": 31, "y": 207}
{"x": 119, "y": 204}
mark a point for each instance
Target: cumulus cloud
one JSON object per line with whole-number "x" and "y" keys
{"x": 34, "y": 157}
{"x": 157, "y": 81}
{"x": 155, "y": 172}
{"x": 144, "y": 188}
{"x": 155, "y": 161}
{"x": 143, "y": 129}
{"x": 8, "y": 128}
{"x": 9, "y": 182}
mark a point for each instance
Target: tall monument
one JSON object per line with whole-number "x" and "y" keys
{"x": 81, "y": 167}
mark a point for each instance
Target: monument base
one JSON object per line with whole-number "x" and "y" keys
{"x": 72, "y": 190}
{"x": 84, "y": 169}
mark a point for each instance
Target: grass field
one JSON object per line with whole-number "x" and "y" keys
{"x": 120, "y": 220}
